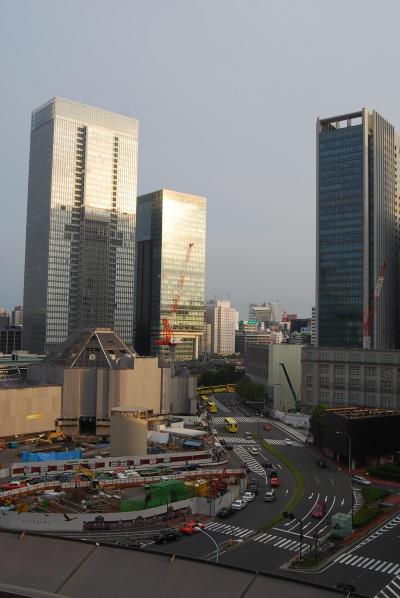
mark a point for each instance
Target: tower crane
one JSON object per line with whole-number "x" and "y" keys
{"x": 370, "y": 313}
{"x": 168, "y": 338}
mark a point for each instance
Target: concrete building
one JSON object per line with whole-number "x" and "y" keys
{"x": 27, "y": 408}
{"x": 262, "y": 364}
{"x": 4, "y": 317}
{"x": 17, "y": 316}
{"x": 10, "y": 339}
{"x": 205, "y": 342}
{"x": 340, "y": 377}
{"x": 222, "y": 318}
{"x": 80, "y": 231}
{"x": 98, "y": 372}
{"x": 243, "y": 339}
{"x": 356, "y": 230}
{"x": 170, "y": 272}
{"x": 313, "y": 326}
{"x": 262, "y": 312}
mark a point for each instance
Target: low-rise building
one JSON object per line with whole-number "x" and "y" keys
{"x": 340, "y": 377}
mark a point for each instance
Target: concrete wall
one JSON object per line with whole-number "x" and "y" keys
{"x": 128, "y": 434}
{"x": 29, "y": 410}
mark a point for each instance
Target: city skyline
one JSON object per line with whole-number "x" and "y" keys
{"x": 231, "y": 121}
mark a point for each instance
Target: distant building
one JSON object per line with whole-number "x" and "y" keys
{"x": 10, "y": 339}
{"x": 242, "y": 339}
{"x": 222, "y": 318}
{"x": 170, "y": 273}
{"x": 262, "y": 312}
{"x": 357, "y": 195}
{"x": 313, "y": 326}
{"x": 4, "y": 317}
{"x": 17, "y": 316}
{"x": 343, "y": 377}
{"x": 80, "y": 231}
{"x": 205, "y": 341}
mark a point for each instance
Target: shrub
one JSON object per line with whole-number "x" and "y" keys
{"x": 384, "y": 474}
{"x": 365, "y": 515}
{"x": 372, "y": 495}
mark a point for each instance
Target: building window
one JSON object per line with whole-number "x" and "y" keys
{"x": 387, "y": 359}
{"x": 324, "y": 368}
{"x": 324, "y": 356}
{"x": 386, "y": 385}
{"x": 338, "y": 397}
{"x": 338, "y": 357}
{"x": 387, "y": 402}
{"x": 339, "y": 369}
{"x": 370, "y": 384}
{"x": 355, "y": 370}
{"x": 324, "y": 396}
{"x": 369, "y": 371}
{"x": 308, "y": 367}
{"x": 354, "y": 383}
{"x": 355, "y": 357}
{"x": 370, "y": 357}
{"x": 309, "y": 381}
{"x": 370, "y": 400}
{"x": 324, "y": 381}
{"x": 354, "y": 398}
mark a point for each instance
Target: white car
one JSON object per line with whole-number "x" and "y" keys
{"x": 359, "y": 479}
{"x": 248, "y": 496}
{"x": 289, "y": 442}
{"x": 238, "y": 504}
{"x": 254, "y": 450}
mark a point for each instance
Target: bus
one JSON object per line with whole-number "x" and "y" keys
{"x": 231, "y": 424}
{"x": 212, "y": 407}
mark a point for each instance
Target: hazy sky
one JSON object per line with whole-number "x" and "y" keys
{"x": 227, "y": 93}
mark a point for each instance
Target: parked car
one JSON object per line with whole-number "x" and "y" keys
{"x": 321, "y": 463}
{"x": 239, "y": 504}
{"x": 270, "y": 495}
{"x": 167, "y": 536}
{"x": 248, "y": 496}
{"x": 190, "y": 527}
{"x": 274, "y": 481}
{"x": 359, "y": 479}
{"x": 13, "y": 485}
{"x": 225, "y": 512}
{"x": 319, "y": 510}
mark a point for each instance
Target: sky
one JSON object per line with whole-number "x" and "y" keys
{"x": 227, "y": 93}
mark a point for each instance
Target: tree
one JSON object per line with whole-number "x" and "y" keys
{"x": 317, "y": 419}
{"x": 260, "y": 391}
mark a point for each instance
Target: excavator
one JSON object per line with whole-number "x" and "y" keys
{"x": 52, "y": 437}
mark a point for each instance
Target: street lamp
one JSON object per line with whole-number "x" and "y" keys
{"x": 352, "y": 481}
{"x": 199, "y": 529}
{"x": 292, "y": 516}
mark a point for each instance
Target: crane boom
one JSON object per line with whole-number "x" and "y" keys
{"x": 370, "y": 313}
{"x": 292, "y": 390}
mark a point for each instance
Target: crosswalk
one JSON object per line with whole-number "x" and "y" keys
{"x": 239, "y": 419}
{"x": 250, "y": 461}
{"x": 282, "y": 441}
{"x": 355, "y": 560}
{"x": 230, "y": 530}
{"x": 235, "y": 440}
{"x": 279, "y": 542}
{"x": 391, "y": 590}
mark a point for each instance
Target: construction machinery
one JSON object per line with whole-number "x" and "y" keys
{"x": 168, "y": 338}
{"x": 292, "y": 390}
{"x": 52, "y": 437}
{"x": 370, "y": 313}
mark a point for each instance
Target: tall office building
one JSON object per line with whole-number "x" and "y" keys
{"x": 80, "y": 232}
{"x": 170, "y": 271}
{"x": 356, "y": 231}
{"x": 222, "y": 318}
{"x": 262, "y": 312}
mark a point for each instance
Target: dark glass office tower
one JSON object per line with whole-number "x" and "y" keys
{"x": 170, "y": 271}
{"x": 80, "y": 233}
{"x": 356, "y": 230}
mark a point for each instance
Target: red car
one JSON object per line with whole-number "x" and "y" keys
{"x": 274, "y": 482}
{"x": 319, "y": 510}
{"x": 13, "y": 485}
{"x": 267, "y": 427}
{"x": 190, "y": 527}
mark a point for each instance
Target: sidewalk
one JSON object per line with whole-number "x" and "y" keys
{"x": 298, "y": 434}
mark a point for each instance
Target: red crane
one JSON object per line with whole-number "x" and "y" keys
{"x": 167, "y": 335}
{"x": 370, "y": 313}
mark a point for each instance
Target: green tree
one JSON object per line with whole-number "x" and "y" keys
{"x": 317, "y": 418}
{"x": 260, "y": 391}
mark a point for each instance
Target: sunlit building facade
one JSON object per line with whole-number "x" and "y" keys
{"x": 356, "y": 231}
{"x": 80, "y": 234}
{"x": 170, "y": 272}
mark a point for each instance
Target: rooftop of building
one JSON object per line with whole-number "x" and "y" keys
{"x": 362, "y": 412}
{"x": 47, "y": 566}
{"x": 93, "y": 348}
{"x": 21, "y": 383}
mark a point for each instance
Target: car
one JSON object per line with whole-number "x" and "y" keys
{"x": 274, "y": 481}
{"x": 13, "y": 485}
{"x": 238, "y": 504}
{"x": 254, "y": 450}
{"x": 273, "y": 473}
{"x": 229, "y": 447}
{"x": 248, "y": 435}
{"x": 192, "y": 467}
{"x": 248, "y": 496}
{"x": 167, "y": 536}
{"x": 268, "y": 465}
{"x": 214, "y": 431}
{"x": 321, "y": 463}
{"x": 289, "y": 442}
{"x": 190, "y": 527}
{"x": 225, "y": 512}
{"x": 270, "y": 495}
{"x": 267, "y": 427}
{"x": 254, "y": 485}
{"x": 223, "y": 441}
{"x": 359, "y": 479}
{"x": 319, "y": 510}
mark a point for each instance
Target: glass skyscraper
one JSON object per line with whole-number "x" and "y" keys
{"x": 80, "y": 233}
{"x": 356, "y": 230}
{"x": 170, "y": 271}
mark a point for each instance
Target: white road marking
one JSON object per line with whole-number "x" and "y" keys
{"x": 311, "y": 495}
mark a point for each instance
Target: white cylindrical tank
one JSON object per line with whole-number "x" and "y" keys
{"x": 128, "y": 432}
